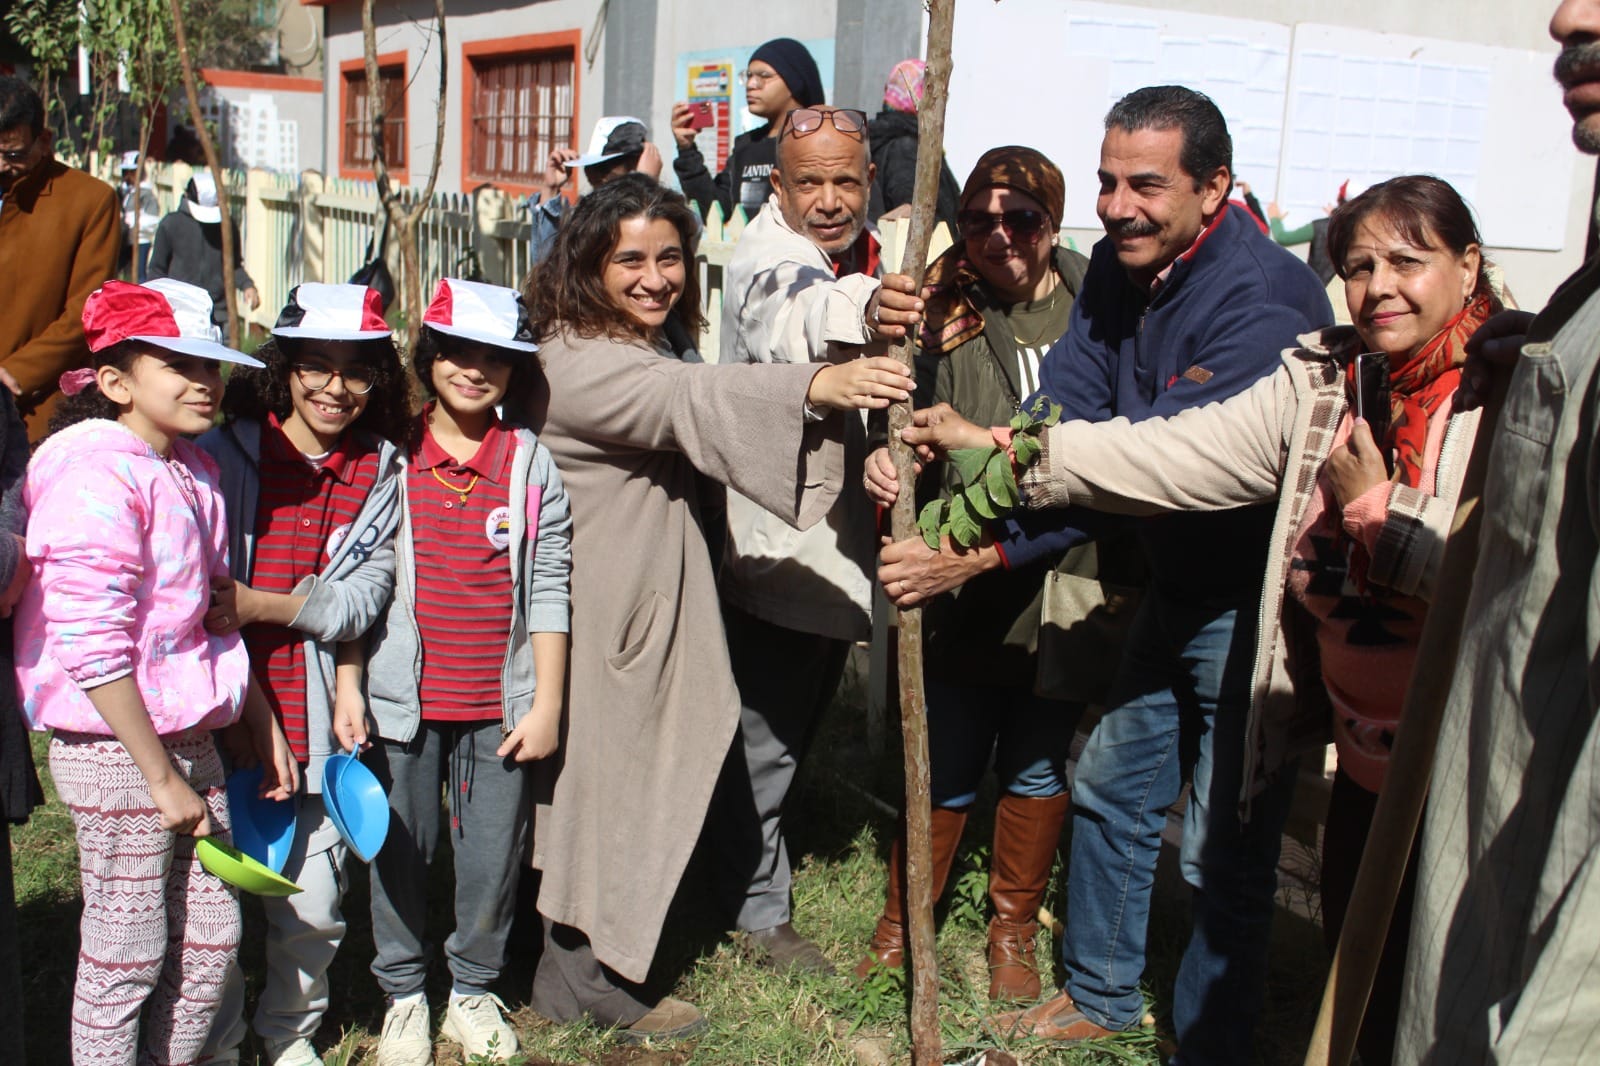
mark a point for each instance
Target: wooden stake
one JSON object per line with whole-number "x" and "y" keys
{"x": 925, "y": 1042}
{"x": 192, "y": 92}
{"x": 1405, "y": 787}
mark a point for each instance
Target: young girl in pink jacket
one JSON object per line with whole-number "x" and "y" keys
{"x": 125, "y": 534}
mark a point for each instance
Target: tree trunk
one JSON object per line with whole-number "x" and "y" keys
{"x": 405, "y": 221}
{"x": 192, "y": 92}
{"x": 925, "y": 1042}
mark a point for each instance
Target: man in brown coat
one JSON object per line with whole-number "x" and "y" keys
{"x": 60, "y": 233}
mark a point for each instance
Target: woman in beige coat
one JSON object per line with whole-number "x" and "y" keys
{"x": 651, "y": 702}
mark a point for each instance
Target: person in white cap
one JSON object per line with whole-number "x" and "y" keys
{"x": 483, "y": 562}
{"x": 141, "y": 214}
{"x": 309, "y": 460}
{"x": 620, "y": 144}
{"x": 188, "y": 246}
{"x": 126, "y": 533}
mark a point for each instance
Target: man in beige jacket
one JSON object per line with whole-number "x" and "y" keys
{"x": 1503, "y": 965}
{"x": 804, "y": 285}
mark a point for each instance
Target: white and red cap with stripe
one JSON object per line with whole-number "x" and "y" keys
{"x": 321, "y": 311}
{"x": 164, "y": 312}
{"x": 474, "y": 311}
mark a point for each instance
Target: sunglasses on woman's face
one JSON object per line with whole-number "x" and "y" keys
{"x": 1022, "y": 224}
{"x": 804, "y": 121}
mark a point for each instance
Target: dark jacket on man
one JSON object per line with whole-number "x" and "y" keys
{"x": 745, "y": 181}
{"x": 893, "y": 136}
{"x": 190, "y": 250}
{"x": 1228, "y": 307}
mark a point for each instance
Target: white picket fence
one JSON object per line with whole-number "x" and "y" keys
{"x": 308, "y": 227}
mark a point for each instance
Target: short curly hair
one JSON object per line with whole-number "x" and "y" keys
{"x": 566, "y": 290}
{"x": 254, "y": 394}
{"x": 525, "y": 371}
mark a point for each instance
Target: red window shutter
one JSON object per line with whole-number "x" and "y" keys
{"x": 522, "y": 109}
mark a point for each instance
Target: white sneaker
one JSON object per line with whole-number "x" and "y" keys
{"x": 407, "y": 1038}
{"x": 296, "y": 1052}
{"x": 479, "y": 1025}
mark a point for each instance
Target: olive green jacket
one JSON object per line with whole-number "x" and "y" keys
{"x": 988, "y": 630}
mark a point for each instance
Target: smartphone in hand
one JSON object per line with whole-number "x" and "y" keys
{"x": 700, "y": 116}
{"x": 1371, "y": 399}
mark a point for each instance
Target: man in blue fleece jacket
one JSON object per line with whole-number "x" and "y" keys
{"x": 1186, "y": 302}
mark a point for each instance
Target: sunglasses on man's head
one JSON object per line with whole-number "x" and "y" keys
{"x": 804, "y": 121}
{"x": 1022, "y": 224}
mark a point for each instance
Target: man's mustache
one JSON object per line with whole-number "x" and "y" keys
{"x": 1132, "y": 227}
{"x": 1578, "y": 63}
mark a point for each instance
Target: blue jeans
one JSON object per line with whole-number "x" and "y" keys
{"x": 1178, "y": 707}
{"x": 1028, "y": 735}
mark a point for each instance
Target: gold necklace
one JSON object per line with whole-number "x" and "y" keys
{"x": 462, "y": 493}
{"x": 1049, "y": 305}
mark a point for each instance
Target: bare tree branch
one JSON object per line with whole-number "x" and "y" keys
{"x": 405, "y": 220}
{"x": 192, "y": 92}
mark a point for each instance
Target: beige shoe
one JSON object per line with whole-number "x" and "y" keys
{"x": 407, "y": 1038}
{"x": 478, "y": 1024}
{"x": 671, "y": 1019}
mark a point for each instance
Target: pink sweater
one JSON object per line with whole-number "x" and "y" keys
{"x": 124, "y": 544}
{"x": 1367, "y": 644}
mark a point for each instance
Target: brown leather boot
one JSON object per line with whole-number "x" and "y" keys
{"x": 888, "y": 944}
{"x": 1026, "y": 833}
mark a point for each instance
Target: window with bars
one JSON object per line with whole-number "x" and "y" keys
{"x": 522, "y": 108}
{"x": 356, "y": 144}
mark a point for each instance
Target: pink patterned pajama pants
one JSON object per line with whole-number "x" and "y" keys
{"x": 157, "y": 928}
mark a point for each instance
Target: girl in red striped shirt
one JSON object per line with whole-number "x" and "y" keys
{"x": 310, "y": 476}
{"x": 468, "y": 669}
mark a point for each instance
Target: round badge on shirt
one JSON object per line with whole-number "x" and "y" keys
{"x": 336, "y": 538}
{"x": 497, "y": 527}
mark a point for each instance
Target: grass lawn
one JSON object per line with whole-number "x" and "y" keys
{"x": 839, "y": 837}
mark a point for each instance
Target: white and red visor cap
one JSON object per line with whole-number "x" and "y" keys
{"x": 474, "y": 311}
{"x": 320, "y": 311}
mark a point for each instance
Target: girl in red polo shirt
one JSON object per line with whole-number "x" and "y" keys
{"x": 482, "y": 563}
{"x": 310, "y": 461}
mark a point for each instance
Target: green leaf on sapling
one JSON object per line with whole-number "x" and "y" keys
{"x": 930, "y": 521}
{"x": 978, "y": 500}
{"x": 1001, "y": 483}
{"x": 1027, "y": 449}
{"x": 965, "y": 530}
{"x": 970, "y": 463}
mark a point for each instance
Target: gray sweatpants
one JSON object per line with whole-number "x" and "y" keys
{"x": 486, "y": 801}
{"x": 304, "y": 932}
{"x": 786, "y": 680}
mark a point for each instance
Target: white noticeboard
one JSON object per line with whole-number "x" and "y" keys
{"x": 1000, "y": 93}
{"x": 1368, "y": 106}
{"x": 1308, "y": 106}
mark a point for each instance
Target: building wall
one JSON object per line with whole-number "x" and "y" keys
{"x": 406, "y": 26}
{"x": 296, "y": 100}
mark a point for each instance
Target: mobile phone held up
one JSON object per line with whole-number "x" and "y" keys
{"x": 700, "y": 116}
{"x": 1372, "y": 399}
